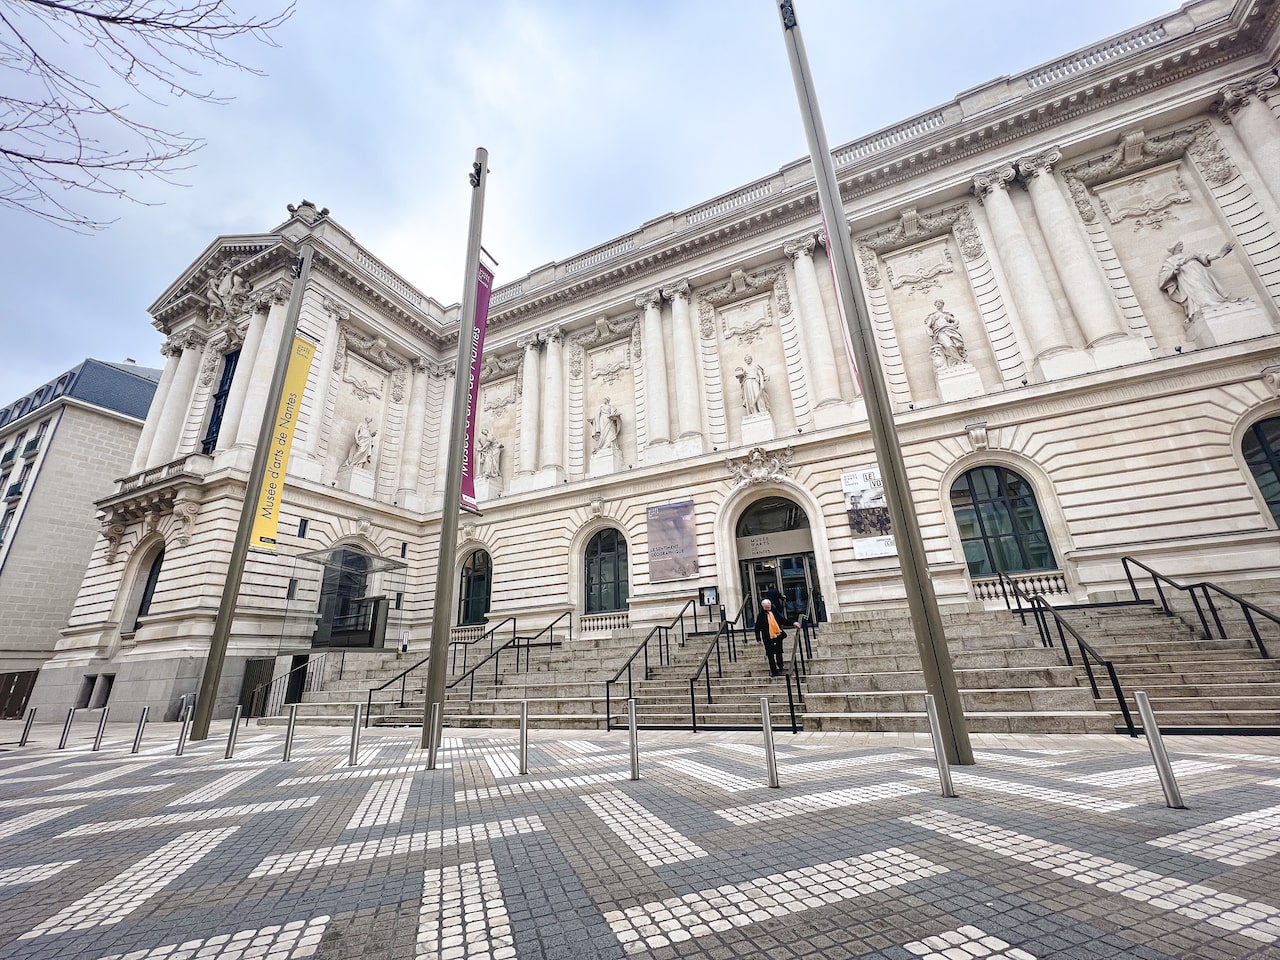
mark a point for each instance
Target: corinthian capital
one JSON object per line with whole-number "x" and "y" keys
{"x": 530, "y": 341}
{"x": 997, "y": 179}
{"x": 651, "y": 299}
{"x": 179, "y": 342}
{"x": 678, "y": 289}
{"x": 803, "y": 247}
{"x": 1236, "y": 95}
{"x": 552, "y": 335}
{"x": 1032, "y": 167}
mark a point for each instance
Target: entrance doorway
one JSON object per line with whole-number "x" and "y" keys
{"x": 775, "y": 551}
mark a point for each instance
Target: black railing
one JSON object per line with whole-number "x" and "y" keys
{"x": 519, "y": 647}
{"x": 465, "y": 646}
{"x": 268, "y": 699}
{"x": 1201, "y": 595}
{"x": 802, "y": 651}
{"x": 1042, "y": 611}
{"x": 724, "y": 638}
{"x": 656, "y": 646}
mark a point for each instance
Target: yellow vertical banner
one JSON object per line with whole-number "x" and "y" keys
{"x": 266, "y": 517}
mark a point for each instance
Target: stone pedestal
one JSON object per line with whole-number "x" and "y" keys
{"x": 757, "y": 428}
{"x": 960, "y": 382}
{"x": 604, "y": 462}
{"x": 357, "y": 480}
{"x": 1119, "y": 352}
{"x": 690, "y": 446}
{"x": 487, "y": 488}
{"x": 1063, "y": 364}
{"x": 839, "y": 414}
{"x": 1228, "y": 323}
{"x": 659, "y": 452}
{"x": 540, "y": 480}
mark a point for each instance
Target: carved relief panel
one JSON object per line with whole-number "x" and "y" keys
{"x": 499, "y": 403}
{"x": 609, "y": 385}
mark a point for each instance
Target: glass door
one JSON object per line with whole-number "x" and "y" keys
{"x": 793, "y": 576}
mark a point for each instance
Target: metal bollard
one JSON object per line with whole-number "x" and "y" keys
{"x": 26, "y": 727}
{"x": 939, "y": 751}
{"x": 770, "y": 757}
{"x": 102, "y": 728}
{"x": 434, "y": 732}
{"x": 634, "y": 738}
{"x": 1168, "y": 782}
{"x": 66, "y": 729}
{"x": 183, "y": 732}
{"x": 142, "y": 722}
{"x": 353, "y": 759}
{"x": 524, "y": 737}
{"x": 288, "y": 732}
{"x": 231, "y": 735}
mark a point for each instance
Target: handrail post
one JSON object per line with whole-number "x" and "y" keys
{"x": 1155, "y": 743}
{"x": 693, "y": 704}
{"x": 353, "y": 759}
{"x": 770, "y": 756}
{"x": 66, "y": 729}
{"x": 633, "y": 739}
{"x": 791, "y": 704}
{"x": 368, "y": 706}
{"x": 608, "y": 706}
{"x": 939, "y": 753}
{"x": 102, "y": 728}
{"x": 524, "y": 737}
{"x": 26, "y": 726}
{"x": 289, "y": 731}
{"x": 142, "y": 724}
{"x": 1124, "y": 707}
{"x": 231, "y": 735}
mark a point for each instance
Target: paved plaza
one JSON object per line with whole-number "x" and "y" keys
{"x": 1055, "y": 847}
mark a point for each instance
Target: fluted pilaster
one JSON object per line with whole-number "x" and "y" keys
{"x": 819, "y": 354}
{"x": 656, "y": 402}
{"x": 689, "y": 401}
{"x": 530, "y": 404}
{"x": 415, "y": 421}
{"x": 552, "y": 428}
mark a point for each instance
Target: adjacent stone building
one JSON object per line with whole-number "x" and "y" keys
{"x": 1072, "y": 275}
{"x": 60, "y": 448}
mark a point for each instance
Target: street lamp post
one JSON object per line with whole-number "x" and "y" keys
{"x": 931, "y": 640}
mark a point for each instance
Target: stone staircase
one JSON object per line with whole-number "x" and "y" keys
{"x": 1194, "y": 685}
{"x": 865, "y": 676}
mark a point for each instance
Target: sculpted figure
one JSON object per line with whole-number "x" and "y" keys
{"x": 1187, "y": 281}
{"x": 606, "y": 427}
{"x": 226, "y": 294}
{"x": 948, "y": 348}
{"x": 752, "y": 379}
{"x": 488, "y": 455}
{"x": 361, "y": 452}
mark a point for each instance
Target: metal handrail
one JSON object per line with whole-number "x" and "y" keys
{"x": 520, "y": 643}
{"x": 1247, "y": 608}
{"x": 662, "y": 633}
{"x": 1041, "y": 610}
{"x": 704, "y": 669}
{"x": 264, "y": 701}
{"x": 491, "y": 634}
{"x": 802, "y": 653}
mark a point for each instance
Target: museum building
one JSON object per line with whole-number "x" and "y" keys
{"x": 1072, "y": 275}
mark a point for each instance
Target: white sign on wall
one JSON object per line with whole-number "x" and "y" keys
{"x": 868, "y": 514}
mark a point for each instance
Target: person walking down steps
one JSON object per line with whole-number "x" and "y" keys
{"x": 770, "y": 631}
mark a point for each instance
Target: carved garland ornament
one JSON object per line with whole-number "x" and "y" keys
{"x": 1136, "y": 151}
{"x": 375, "y": 350}
{"x": 913, "y": 227}
{"x": 739, "y": 286}
{"x": 604, "y": 331}
{"x": 759, "y": 466}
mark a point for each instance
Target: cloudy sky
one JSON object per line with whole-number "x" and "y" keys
{"x": 598, "y": 116}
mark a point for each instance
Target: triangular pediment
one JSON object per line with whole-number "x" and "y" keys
{"x": 234, "y": 250}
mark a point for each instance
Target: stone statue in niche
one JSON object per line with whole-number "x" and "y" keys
{"x": 948, "y": 349}
{"x": 361, "y": 452}
{"x": 606, "y": 427}
{"x": 752, "y": 380}
{"x": 1186, "y": 279}
{"x": 488, "y": 455}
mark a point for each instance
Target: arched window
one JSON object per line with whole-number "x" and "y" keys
{"x": 149, "y": 588}
{"x": 1261, "y": 450}
{"x": 606, "y": 572}
{"x": 477, "y": 581}
{"x": 1000, "y": 523}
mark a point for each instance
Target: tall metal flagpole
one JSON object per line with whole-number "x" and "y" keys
{"x": 448, "y": 552}
{"x": 939, "y": 676}
{"x": 205, "y": 700}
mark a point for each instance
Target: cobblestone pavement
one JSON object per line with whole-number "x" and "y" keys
{"x": 1056, "y": 847}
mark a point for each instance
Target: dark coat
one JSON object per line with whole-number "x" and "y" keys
{"x": 779, "y": 606}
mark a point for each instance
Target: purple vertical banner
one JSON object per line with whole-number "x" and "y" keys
{"x": 484, "y": 287}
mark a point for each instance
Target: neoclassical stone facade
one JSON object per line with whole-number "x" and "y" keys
{"x": 1073, "y": 282}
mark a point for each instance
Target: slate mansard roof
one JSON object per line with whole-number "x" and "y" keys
{"x": 122, "y": 387}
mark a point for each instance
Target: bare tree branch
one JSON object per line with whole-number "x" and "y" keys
{"x": 67, "y": 130}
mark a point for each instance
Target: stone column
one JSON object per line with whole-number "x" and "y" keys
{"x": 656, "y": 402}
{"x": 264, "y": 363}
{"x": 449, "y": 384}
{"x": 240, "y": 380}
{"x": 1091, "y": 300}
{"x": 1052, "y": 355}
{"x": 157, "y": 409}
{"x": 177, "y": 402}
{"x": 819, "y": 352}
{"x": 530, "y": 406}
{"x": 415, "y": 419}
{"x": 689, "y": 400}
{"x": 552, "y": 426}
{"x": 324, "y": 373}
{"x": 1244, "y": 106}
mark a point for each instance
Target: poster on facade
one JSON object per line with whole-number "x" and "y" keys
{"x": 673, "y": 542}
{"x": 868, "y": 514}
{"x": 475, "y": 360}
{"x": 266, "y": 516}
